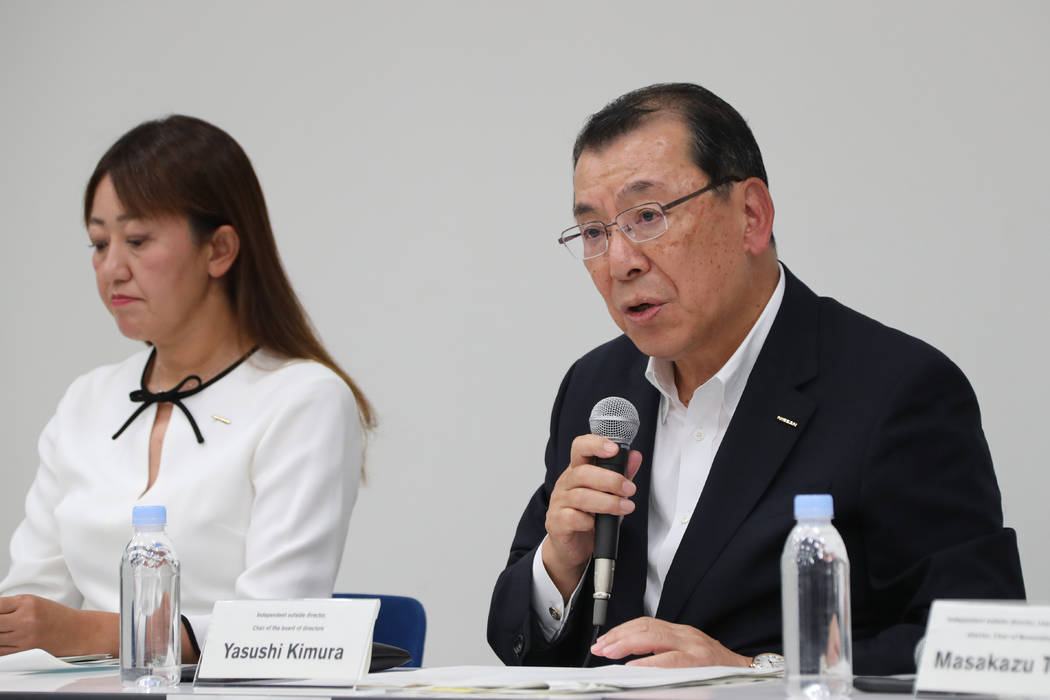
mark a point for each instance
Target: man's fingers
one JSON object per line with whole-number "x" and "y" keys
{"x": 634, "y": 461}
{"x": 587, "y": 447}
{"x": 635, "y": 645}
{"x": 581, "y": 491}
{"x": 595, "y": 478}
{"x": 592, "y": 501}
{"x": 670, "y": 644}
{"x": 563, "y": 521}
{"x": 637, "y": 636}
{"x": 670, "y": 659}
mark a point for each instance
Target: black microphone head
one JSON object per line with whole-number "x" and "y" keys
{"x": 616, "y": 419}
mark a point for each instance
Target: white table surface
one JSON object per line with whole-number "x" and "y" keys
{"x": 108, "y": 681}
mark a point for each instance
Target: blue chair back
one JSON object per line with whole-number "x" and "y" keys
{"x": 402, "y": 622}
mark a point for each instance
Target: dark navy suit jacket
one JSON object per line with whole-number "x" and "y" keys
{"x": 885, "y": 423}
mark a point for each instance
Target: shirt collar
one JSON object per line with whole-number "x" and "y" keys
{"x": 736, "y": 370}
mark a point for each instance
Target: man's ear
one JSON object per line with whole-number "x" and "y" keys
{"x": 223, "y": 247}
{"x": 758, "y": 213}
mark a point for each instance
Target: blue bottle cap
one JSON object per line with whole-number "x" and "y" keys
{"x": 149, "y": 515}
{"x": 814, "y": 506}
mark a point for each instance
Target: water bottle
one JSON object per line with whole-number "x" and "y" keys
{"x": 814, "y": 572}
{"x": 150, "y": 622}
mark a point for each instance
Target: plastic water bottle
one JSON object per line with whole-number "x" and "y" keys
{"x": 150, "y": 622}
{"x": 814, "y": 572}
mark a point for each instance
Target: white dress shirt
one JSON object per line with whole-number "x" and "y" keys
{"x": 258, "y": 510}
{"x": 686, "y": 441}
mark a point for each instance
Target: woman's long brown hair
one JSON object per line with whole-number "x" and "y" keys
{"x": 185, "y": 166}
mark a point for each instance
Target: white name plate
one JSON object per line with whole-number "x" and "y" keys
{"x": 325, "y": 641}
{"x": 986, "y": 647}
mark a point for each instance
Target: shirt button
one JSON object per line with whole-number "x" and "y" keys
{"x": 684, "y": 519}
{"x": 555, "y": 613}
{"x": 699, "y": 434}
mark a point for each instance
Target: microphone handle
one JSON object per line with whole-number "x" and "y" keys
{"x": 606, "y": 526}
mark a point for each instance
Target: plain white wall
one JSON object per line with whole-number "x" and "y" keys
{"x": 415, "y": 157}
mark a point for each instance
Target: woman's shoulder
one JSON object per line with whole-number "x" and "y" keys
{"x": 280, "y": 386}
{"x": 122, "y": 377}
{"x": 270, "y": 372}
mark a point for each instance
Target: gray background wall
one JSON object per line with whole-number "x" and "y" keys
{"x": 416, "y": 161}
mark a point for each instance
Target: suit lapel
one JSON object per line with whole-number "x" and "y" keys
{"x": 757, "y": 442}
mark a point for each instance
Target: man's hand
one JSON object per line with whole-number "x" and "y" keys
{"x": 581, "y": 491}
{"x": 670, "y": 645}
{"x": 32, "y": 622}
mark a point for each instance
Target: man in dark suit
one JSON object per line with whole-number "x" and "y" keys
{"x": 751, "y": 389}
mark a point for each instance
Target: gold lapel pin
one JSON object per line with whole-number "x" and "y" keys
{"x": 220, "y": 419}
{"x": 782, "y": 419}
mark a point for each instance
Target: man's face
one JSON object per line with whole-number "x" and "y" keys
{"x": 686, "y": 294}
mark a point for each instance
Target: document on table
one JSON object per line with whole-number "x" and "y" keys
{"x": 36, "y": 660}
{"x": 547, "y": 679}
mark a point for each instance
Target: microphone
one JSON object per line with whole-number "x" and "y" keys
{"x": 615, "y": 419}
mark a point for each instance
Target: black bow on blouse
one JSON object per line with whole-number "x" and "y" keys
{"x": 175, "y": 395}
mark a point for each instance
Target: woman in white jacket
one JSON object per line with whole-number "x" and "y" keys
{"x": 234, "y": 417}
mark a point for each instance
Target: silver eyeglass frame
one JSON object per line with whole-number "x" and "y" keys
{"x": 573, "y": 232}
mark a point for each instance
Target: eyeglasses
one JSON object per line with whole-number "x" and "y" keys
{"x": 640, "y": 224}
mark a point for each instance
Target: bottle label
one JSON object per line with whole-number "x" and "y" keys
{"x": 986, "y": 647}
{"x": 327, "y": 640}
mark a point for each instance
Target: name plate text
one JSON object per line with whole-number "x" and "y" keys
{"x": 327, "y": 641}
{"x": 986, "y": 647}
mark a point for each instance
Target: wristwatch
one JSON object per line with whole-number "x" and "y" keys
{"x": 768, "y": 662}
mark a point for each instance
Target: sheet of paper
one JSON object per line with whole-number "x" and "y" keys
{"x": 36, "y": 660}
{"x": 556, "y": 679}
{"x": 92, "y": 680}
